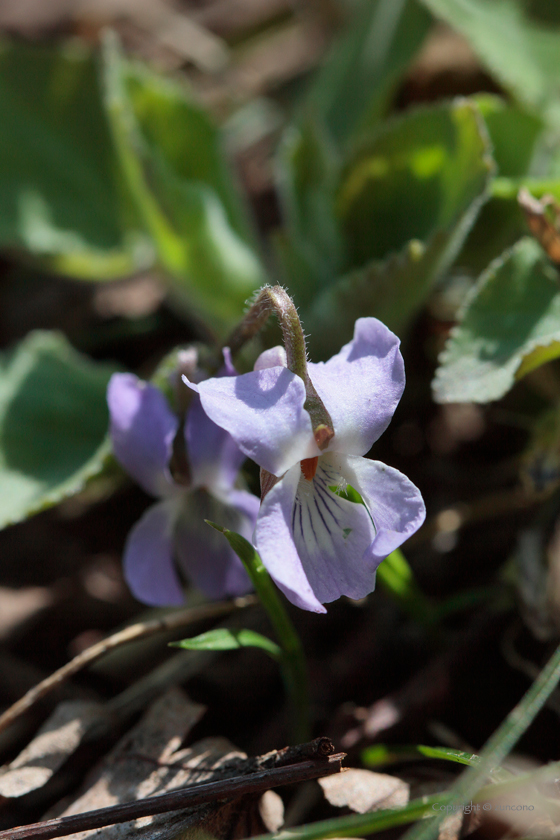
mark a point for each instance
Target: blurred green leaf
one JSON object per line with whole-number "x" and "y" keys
{"x": 415, "y": 191}
{"x": 514, "y": 135}
{"x": 310, "y": 246}
{"x": 173, "y": 167}
{"x": 175, "y": 127}
{"x": 53, "y": 423}
{"x": 349, "y": 95}
{"x": 60, "y": 199}
{"x": 224, "y": 639}
{"x": 523, "y": 56}
{"x": 510, "y": 324}
{"x": 419, "y": 175}
{"x": 360, "y": 825}
{"x": 447, "y": 754}
{"x": 392, "y": 291}
{"x": 351, "y": 91}
{"x": 380, "y": 754}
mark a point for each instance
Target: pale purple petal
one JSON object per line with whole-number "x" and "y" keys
{"x": 263, "y": 411}
{"x": 142, "y": 429}
{"x": 248, "y": 505}
{"x": 332, "y": 536}
{"x": 214, "y": 456}
{"x": 148, "y": 557}
{"x": 361, "y": 386}
{"x": 275, "y": 542}
{"x": 203, "y": 553}
{"x": 275, "y": 357}
{"x": 228, "y": 368}
{"x": 394, "y": 502}
{"x": 317, "y": 545}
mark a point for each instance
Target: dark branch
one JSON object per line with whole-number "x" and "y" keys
{"x": 260, "y": 781}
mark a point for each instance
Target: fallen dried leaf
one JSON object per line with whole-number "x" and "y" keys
{"x": 55, "y": 742}
{"x": 149, "y": 761}
{"x": 271, "y": 810}
{"x": 364, "y": 790}
{"x": 450, "y": 829}
{"x": 543, "y": 219}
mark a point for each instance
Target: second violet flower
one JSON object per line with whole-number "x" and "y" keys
{"x": 171, "y": 541}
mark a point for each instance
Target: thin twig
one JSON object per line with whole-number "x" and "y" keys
{"x": 178, "y": 799}
{"x": 501, "y": 503}
{"x": 137, "y": 631}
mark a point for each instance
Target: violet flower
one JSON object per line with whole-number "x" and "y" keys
{"x": 316, "y": 544}
{"x": 172, "y": 534}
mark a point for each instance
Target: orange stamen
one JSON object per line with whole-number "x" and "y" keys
{"x": 309, "y": 467}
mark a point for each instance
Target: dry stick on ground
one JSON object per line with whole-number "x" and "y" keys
{"x": 257, "y": 782}
{"x": 129, "y": 634}
{"x": 501, "y": 503}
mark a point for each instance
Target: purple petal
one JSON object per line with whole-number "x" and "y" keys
{"x": 228, "y": 368}
{"x": 394, "y": 502}
{"x": 148, "y": 557}
{"x": 332, "y": 536}
{"x": 142, "y": 428}
{"x": 214, "y": 456}
{"x": 275, "y": 357}
{"x": 361, "y": 386}
{"x": 204, "y": 554}
{"x": 275, "y": 543}
{"x": 263, "y": 411}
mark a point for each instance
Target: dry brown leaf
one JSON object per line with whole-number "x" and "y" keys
{"x": 364, "y": 790}
{"x": 543, "y": 218}
{"x": 19, "y": 605}
{"x": 149, "y": 761}
{"x": 57, "y": 739}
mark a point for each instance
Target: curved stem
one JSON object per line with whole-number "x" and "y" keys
{"x": 274, "y": 300}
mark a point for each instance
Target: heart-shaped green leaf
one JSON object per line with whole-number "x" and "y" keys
{"x": 417, "y": 191}
{"x": 419, "y": 174}
{"x": 173, "y": 168}
{"x": 509, "y": 325}
{"x": 53, "y": 424}
{"x": 60, "y": 198}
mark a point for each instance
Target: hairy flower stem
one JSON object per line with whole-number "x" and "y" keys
{"x": 292, "y": 660}
{"x": 274, "y": 300}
